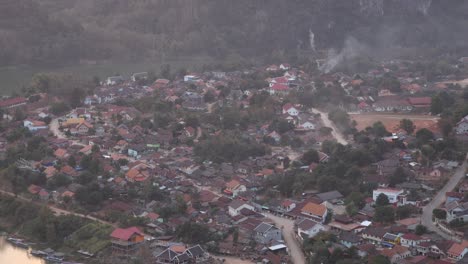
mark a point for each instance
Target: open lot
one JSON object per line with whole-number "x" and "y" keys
{"x": 392, "y": 121}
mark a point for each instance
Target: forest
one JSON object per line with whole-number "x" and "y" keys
{"x": 52, "y": 32}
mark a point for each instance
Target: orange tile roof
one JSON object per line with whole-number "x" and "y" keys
{"x": 314, "y": 209}
{"x": 232, "y": 184}
{"x": 457, "y": 248}
{"x": 60, "y": 153}
{"x": 178, "y": 248}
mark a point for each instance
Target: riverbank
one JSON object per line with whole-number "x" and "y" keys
{"x": 40, "y": 229}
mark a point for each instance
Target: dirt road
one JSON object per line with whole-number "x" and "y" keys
{"x": 295, "y": 250}
{"x": 426, "y": 217}
{"x": 327, "y": 122}
{"x": 56, "y": 210}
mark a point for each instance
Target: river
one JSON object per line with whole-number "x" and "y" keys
{"x": 14, "y": 255}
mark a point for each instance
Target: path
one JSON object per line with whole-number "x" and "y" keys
{"x": 56, "y": 210}
{"x": 327, "y": 122}
{"x": 295, "y": 250}
{"x": 199, "y": 134}
{"x": 54, "y": 128}
{"x": 426, "y": 218}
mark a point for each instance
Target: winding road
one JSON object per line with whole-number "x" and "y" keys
{"x": 328, "y": 123}
{"x": 295, "y": 249}
{"x": 426, "y": 218}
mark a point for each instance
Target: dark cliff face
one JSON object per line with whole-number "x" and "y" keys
{"x": 50, "y": 30}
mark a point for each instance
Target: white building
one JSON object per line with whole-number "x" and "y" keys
{"x": 34, "y": 125}
{"x": 307, "y": 228}
{"x": 462, "y": 126}
{"x": 391, "y": 193}
{"x": 236, "y": 206}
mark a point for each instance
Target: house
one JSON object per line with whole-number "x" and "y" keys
{"x": 275, "y": 136}
{"x": 456, "y": 210}
{"x": 420, "y": 102}
{"x": 234, "y": 187}
{"x": 278, "y": 89}
{"x": 82, "y": 128}
{"x": 113, "y": 80}
{"x": 307, "y": 125}
{"x": 437, "y": 249}
{"x": 391, "y": 193}
{"x": 189, "y": 131}
{"x": 391, "y": 104}
{"x": 138, "y": 173}
{"x": 349, "y": 239}
{"x": 126, "y": 241}
{"x": 374, "y": 235}
{"x": 265, "y": 233}
{"x": 462, "y": 126}
{"x": 191, "y": 78}
{"x": 316, "y": 212}
{"x": 285, "y": 66}
{"x": 139, "y": 76}
{"x": 412, "y": 240}
{"x": 272, "y": 68}
{"x": 135, "y": 150}
{"x": 61, "y": 153}
{"x": 236, "y": 206}
{"x": 287, "y": 205}
{"x": 44, "y": 195}
{"x": 290, "y": 110}
{"x": 390, "y": 240}
{"x": 458, "y": 250}
{"x": 13, "y": 102}
{"x": 34, "y": 125}
{"x": 307, "y": 228}
{"x": 179, "y": 254}
{"x": 331, "y": 196}
{"x": 396, "y": 254}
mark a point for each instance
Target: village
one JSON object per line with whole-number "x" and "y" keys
{"x": 268, "y": 164}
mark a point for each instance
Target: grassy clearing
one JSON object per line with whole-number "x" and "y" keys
{"x": 14, "y": 78}
{"x": 92, "y": 237}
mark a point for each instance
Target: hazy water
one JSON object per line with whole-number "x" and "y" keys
{"x": 10, "y": 254}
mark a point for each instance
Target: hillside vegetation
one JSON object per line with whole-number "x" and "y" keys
{"x": 53, "y": 32}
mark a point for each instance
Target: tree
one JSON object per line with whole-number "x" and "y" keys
{"x": 384, "y": 214}
{"x": 407, "y": 125}
{"x": 420, "y": 230}
{"x": 398, "y": 176}
{"x": 424, "y": 135}
{"x": 439, "y": 214}
{"x": 437, "y": 106}
{"x": 379, "y": 259}
{"x": 165, "y": 71}
{"x": 325, "y": 131}
{"x": 445, "y": 125}
{"x": 310, "y": 156}
{"x": 71, "y": 161}
{"x": 209, "y": 97}
{"x": 379, "y": 130}
{"x": 404, "y": 211}
{"x": 382, "y": 200}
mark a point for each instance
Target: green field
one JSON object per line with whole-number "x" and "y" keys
{"x": 14, "y": 78}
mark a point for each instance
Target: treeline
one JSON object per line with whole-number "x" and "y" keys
{"x": 52, "y": 31}
{"x": 38, "y": 223}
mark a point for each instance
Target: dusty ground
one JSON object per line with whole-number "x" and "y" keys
{"x": 392, "y": 121}
{"x": 234, "y": 260}
{"x": 462, "y": 83}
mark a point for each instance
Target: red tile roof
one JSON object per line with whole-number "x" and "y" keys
{"x": 125, "y": 233}
{"x": 12, "y": 101}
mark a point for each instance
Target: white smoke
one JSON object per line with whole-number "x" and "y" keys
{"x": 351, "y": 49}
{"x": 312, "y": 39}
